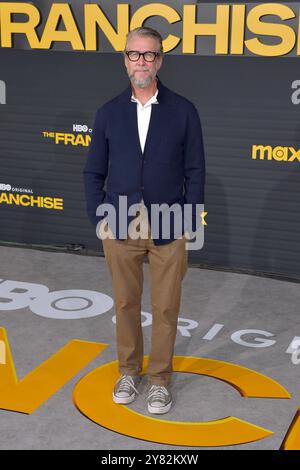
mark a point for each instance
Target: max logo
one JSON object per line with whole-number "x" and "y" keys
{"x": 27, "y": 394}
{"x": 281, "y": 154}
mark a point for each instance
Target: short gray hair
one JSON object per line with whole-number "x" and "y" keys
{"x": 146, "y": 31}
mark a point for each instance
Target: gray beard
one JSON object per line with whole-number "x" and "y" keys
{"x": 141, "y": 83}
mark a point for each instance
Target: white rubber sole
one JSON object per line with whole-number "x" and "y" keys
{"x": 124, "y": 400}
{"x": 159, "y": 411}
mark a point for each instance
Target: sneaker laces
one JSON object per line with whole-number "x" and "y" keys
{"x": 158, "y": 391}
{"x": 125, "y": 383}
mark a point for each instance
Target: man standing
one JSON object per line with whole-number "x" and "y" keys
{"x": 147, "y": 142}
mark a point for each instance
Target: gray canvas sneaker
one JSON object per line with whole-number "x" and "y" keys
{"x": 125, "y": 390}
{"x": 159, "y": 399}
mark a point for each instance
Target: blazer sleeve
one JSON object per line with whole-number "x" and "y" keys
{"x": 194, "y": 165}
{"x": 96, "y": 168}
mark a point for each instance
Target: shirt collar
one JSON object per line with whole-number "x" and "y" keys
{"x": 152, "y": 100}
{"x": 162, "y": 97}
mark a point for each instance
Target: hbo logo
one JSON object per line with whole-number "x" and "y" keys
{"x": 80, "y": 128}
{"x": 5, "y": 187}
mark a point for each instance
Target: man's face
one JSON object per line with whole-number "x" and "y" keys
{"x": 141, "y": 73}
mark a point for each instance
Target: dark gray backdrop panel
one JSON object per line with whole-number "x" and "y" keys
{"x": 253, "y": 206}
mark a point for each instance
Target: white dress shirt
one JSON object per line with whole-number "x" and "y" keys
{"x": 143, "y": 119}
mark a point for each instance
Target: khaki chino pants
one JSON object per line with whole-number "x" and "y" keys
{"x": 167, "y": 267}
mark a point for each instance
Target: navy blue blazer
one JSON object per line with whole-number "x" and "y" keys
{"x": 171, "y": 169}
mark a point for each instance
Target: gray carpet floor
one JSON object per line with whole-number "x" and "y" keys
{"x": 209, "y": 297}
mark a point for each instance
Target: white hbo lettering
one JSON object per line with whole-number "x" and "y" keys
{"x": 79, "y": 303}
{"x": 71, "y": 304}
{"x": 5, "y": 187}
{"x": 80, "y": 128}
{"x": 63, "y": 304}
{"x": 15, "y": 295}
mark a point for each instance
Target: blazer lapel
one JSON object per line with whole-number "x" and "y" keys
{"x": 158, "y": 119}
{"x": 158, "y": 122}
{"x": 131, "y": 125}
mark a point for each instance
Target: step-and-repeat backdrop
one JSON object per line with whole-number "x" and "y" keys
{"x": 239, "y": 64}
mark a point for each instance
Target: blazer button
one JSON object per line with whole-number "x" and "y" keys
{"x": 142, "y": 187}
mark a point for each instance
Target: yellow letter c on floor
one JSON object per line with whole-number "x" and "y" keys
{"x": 92, "y": 395}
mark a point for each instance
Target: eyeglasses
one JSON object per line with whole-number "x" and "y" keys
{"x": 148, "y": 56}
